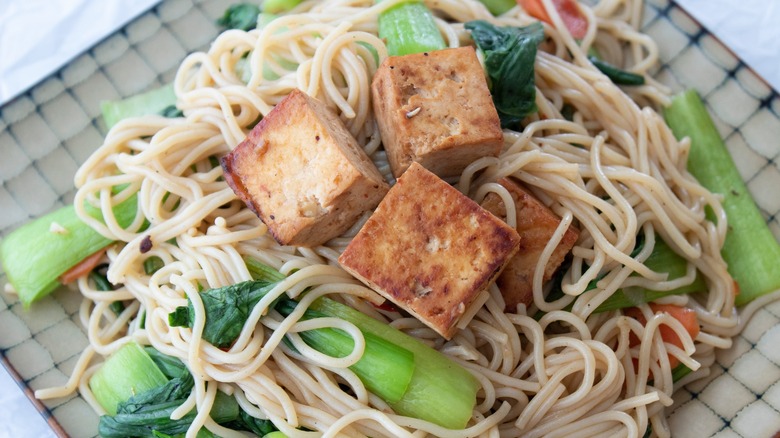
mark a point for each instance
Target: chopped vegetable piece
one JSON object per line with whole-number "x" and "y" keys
{"x": 679, "y": 372}
{"x": 153, "y": 264}
{"x": 151, "y": 102}
{"x": 260, "y": 271}
{"x": 257, "y": 426}
{"x": 440, "y": 391}
{"x": 102, "y": 283}
{"x": 171, "y": 112}
{"x": 385, "y": 368}
{"x": 149, "y": 413}
{"x": 686, "y": 316}
{"x": 83, "y": 267}
{"x": 662, "y": 259}
{"x": 510, "y": 53}
{"x": 616, "y": 75}
{"x": 569, "y": 11}
{"x": 127, "y": 372}
{"x": 242, "y": 16}
{"x": 277, "y": 6}
{"x": 750, "y": 250}
{"x": 409, "y": 28}
{"x": 498, "y": 7}
{"x": 227, "y": 308}
{"x": 265, "y": 18}
{"x": 33, "y": 257}
{"x": 135, "y": 381}
{"x": 170, "y": 366}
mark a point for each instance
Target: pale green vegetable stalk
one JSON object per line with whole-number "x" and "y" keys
{"x": 498, "y": 7}
{"x": 750, "y": 250}
{"x": 409, "y": 28}
{"x": 151, "y": 102}
{"x": 440, "y": 391}
{"x": 130, "y": 371}
{"x": 36, "y": 254}
{"x": 276, "y": 6}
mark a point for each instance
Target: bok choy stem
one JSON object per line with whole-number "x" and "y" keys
{"x": 35, "y": 255}
{"x": 129, "y": 371}
{"x": 154, "y": 101}
{"x": 385, "y": 368}
{"x": 440, "y": 391}
{"x": 662, "y": 259}
{"x": 416, "y": 380}
{"x": 409, "y": 28}
{"x": 750, "y": 250}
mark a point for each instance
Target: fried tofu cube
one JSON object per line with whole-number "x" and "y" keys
{"x": 536, "y": 224}
{"x": 435, "y": 108}
{"x": 303, "y": 174}
{"x": 430, "y": 250}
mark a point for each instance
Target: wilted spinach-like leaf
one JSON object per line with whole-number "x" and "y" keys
{"x": 510, "y": 53}
{"x": 227, "y": 309}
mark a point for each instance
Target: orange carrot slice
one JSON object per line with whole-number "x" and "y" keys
{"x": 686, "y": 316}
{"x": 83, "y": 267}
{"x": 569, "y": 10}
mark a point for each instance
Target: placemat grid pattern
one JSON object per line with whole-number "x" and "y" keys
{"x": 41, "y": 151}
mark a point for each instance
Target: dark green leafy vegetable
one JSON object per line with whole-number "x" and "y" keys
{"x": 242, "y": 16}
{"x": 151, "y": 410}
{"x": 170, "y": 366}
{"x": 750, "y": 250}
{"x": 433, "y": 387}
{"x": 153, "y": 264}
{"x": 102, "y": 283}
{"x": 145, "y": 386}
{"x": 510, "y": 53}
{"x": 255, "y": 425}
{"x": 171, "y": 111}
{"x": 385, "y": 368}
{"x": 616, "y": 75}
{"x": 227, "y": 309}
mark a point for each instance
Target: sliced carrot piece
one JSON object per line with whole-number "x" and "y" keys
{"x": 686, "y": 316}
{"x": 569, "y": 10}
{"x": 83, "y": 267}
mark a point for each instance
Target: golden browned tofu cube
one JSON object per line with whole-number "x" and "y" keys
{"x": 303, "y": 174}
{"x": 536, "y": 224}
{"x": 435, "y": 108}
{"x": 430, "y": 250}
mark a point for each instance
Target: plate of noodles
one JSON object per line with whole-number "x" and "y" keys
{"x": 612, "y": 343}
